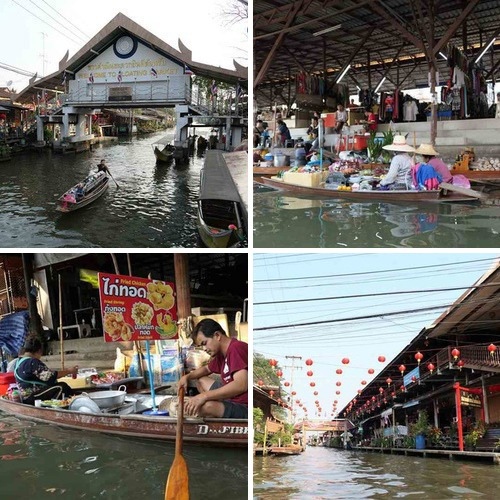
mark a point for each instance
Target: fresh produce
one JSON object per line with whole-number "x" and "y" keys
{"x": 106, "y": 378}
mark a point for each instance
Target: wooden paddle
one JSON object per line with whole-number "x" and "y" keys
{"x": 462, "y": 190}
{"x": 113, "y": 179}
{"x": 178, "y": 480}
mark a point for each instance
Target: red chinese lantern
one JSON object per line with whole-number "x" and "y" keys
{"x": 431, "y": 367}
{"x": 309, "y": 362}
{"x": 402, "y": 387}
{"x": 337, "y": 393}
{"x": 338, "y": 371}
{"x": 3, "y": 116}
{"x": 381, "y": 390}
{"x": 414, "y": 379}
{"x": 460, "y": 364}
{"x": 345, "y": 361}
{"x": 363, "y": 382}
{"x": 455, "y": 353}
{"x": 315, "y": 393}
{"x": 293, "y": 393}
{"x": 273, "y": 362}
{"x": 373, "y": 398}
{"x": 335, "y": 401}
{"x": 381, "y": 359}
{"x": 310, "y": 373}
{"x": 338, "y": 384}
{"x": 359, "y": 391}
{"x": 316, "y": 402}
{"x": 389, "y": 380}
{"x": 402, "y": 369}
{"x": 279, "y": 373}
{"x": 287, "y": 384}
{"x": 260, "y": 383}
{"x": 271, "y": 393}
{"x": 298, "y": 401}
{"x": 492, "y": 348}
{"x": 371, "y": 371}
{"x": 312, "y": 384}
{"x": 419, "y": 357}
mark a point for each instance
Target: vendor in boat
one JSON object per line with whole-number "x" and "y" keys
{"x": 102, "y": 167}
{"x": 429, "y": 155}
{"x": 35, "y": 379}
{"x": 399, "y": 175}
{"x": 227, "y": 398}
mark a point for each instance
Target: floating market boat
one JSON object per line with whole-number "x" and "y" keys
{"x": 204, "y": 431}
{"x": 447, "y": 192}
{"x": 163, "y": 150}
{"x": 268, "y": 171}
{"x": 83, "y": 193}
{"x": 220, "y": 208}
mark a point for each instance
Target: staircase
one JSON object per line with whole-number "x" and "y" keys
{"x": 489, "y": 441}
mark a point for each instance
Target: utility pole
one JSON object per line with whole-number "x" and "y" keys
{"x": 293, "y": 368}
{"x": 43, "y": 52}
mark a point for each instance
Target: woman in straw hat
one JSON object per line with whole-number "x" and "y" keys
{"x": 399, "y": 175}
{"x": 429, "y": 155}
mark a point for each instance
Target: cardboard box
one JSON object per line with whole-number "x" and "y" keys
{"x": 313, "y": 179}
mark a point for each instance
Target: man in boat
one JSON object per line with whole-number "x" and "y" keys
{"x": 227, "y": 398}
{"x": 35, "y": 379}
{"x": 102, "y": 167}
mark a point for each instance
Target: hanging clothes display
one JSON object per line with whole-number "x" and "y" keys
{"x": 410, "y": 109}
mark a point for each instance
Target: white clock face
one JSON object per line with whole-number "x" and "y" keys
{"x": 125, "y": 46}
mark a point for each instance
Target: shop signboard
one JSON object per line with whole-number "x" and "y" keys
{"x": 137, "y": 308}
{"x": 468, "y": 399}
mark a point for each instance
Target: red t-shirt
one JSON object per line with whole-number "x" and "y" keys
{"x": 236, "y": 359}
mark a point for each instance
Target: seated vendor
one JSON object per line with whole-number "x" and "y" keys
{"x": 35, "y": 379}
{"x": 399, "y": 175}
{"x": 429, "y": 155}
{"x": 227, "y": 398}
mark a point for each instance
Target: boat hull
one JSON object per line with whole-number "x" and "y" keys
{"x": 163, "y": 156}
{"x": 65, "y": 207}
{"x": 210, "y": 431}
{"x": 216, "y": 234}
{"x": 268, "y": 171}
{"x": 434, "y": 196}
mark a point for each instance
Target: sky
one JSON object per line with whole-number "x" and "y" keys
{"x": 200, "y": 25}
{"x": 361, "y": 341}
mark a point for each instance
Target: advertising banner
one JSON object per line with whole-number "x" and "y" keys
{"x": 137, "y": 308}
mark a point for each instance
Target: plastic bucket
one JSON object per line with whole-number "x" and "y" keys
{"x": 420, "y": 442}
{"x": 5, "y": 380}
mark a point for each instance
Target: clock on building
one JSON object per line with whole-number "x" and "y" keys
{"x": 125, "y": 47}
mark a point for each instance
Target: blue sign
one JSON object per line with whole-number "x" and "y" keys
{"x": 407, "y": 379}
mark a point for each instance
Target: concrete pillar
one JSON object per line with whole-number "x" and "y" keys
{"x": 65, "y": 125}
{"x": 39, "y": 129}
{"x": 80, "y": 126}
{"x": 237, "y": 132}
{"x": 485, "y": 402}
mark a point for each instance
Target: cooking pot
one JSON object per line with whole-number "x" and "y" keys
{"x": 281, "y": 160}
{"x": 107, "y": 399}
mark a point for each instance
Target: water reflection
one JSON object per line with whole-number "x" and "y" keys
{"x": 290, "y": 222}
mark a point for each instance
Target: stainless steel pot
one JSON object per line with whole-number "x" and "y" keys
{"x": 281, "y": 160}
{"x": 107, "y": 399}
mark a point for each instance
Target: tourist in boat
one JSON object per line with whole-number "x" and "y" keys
{"x": 227, "y": 398}
{"x": 429, "y": 155}
{"x": 102, "y": 167}
{"x": 399, "y": 175}
{"x": 35, "y": 379}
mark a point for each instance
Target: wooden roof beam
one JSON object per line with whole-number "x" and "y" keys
{"x": 277, "y": 43}
{"x": 453, "y": 28}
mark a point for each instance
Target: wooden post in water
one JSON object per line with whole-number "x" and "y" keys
{"x": 61, "y": 332}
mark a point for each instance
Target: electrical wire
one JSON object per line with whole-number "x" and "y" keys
{"x": 66, "y": 19}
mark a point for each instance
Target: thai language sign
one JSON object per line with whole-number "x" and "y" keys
{"x": 468, "y": 399}
{"x": 137, "y": 308}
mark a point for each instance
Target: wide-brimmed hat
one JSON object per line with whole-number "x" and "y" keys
{"x": 426, "y": 150}
{"x": 399, "y": 144}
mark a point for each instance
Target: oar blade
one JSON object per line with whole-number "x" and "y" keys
{"x": 178, "y": 480}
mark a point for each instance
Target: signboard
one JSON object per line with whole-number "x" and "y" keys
{"x": 137, "y": 308}
{"x": 468, "y": 399}
{"x": 407, "y": 379}
{"x": 120, "y": 94}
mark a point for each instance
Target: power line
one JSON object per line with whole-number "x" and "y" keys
{"x": 58, "y": 22}
{"x": 66, "y": 19}
{"x": 375, "y": 272}
{"x": 357, "y": 296}
{"x": 48, "y": 24}
{"x": 20, "y": 71}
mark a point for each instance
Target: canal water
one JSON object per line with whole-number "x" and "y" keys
{"x": 43, "y": 461}
{"x": 327, "y": 473}
{"x": 284, "y": 221}
{"x": 154, "y": 206}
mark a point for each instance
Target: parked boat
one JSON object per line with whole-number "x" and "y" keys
{"x": 83, "y": 193}
{"x": 220, "y": 208}
{"x": 432, "y": 196}
{"x": 163, "y": 150}
{"x": 268, "y": 171}
{"x": 205, "y": 431}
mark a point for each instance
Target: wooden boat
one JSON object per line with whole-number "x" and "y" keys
{"x": 163, "y": 150}
{"x": 220, "y": 208}
{"x": 83, "y": 193}
{"x": 268, "y": 171}
{"x": 204, "y": 431}
{"x": 433, "y": 196}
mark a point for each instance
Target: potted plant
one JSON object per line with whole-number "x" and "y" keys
{"x": 420, "y": 429}
{"x": 470, "y": 439}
